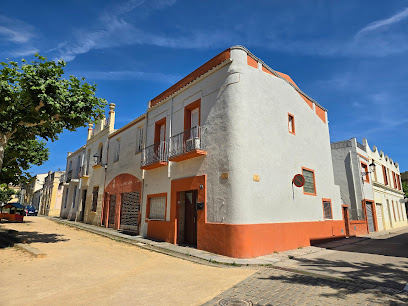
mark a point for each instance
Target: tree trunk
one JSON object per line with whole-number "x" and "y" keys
{"x": 4, "y": 138}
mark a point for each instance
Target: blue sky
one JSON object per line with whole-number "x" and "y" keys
{"x": 351, "y": 56}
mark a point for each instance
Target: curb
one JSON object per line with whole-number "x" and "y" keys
{"x": 215, "y": 263}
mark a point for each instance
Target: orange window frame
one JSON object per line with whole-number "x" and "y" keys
{"x": 364, "y": 166}
{"x": 291, "y": 124}
{"x": 314, "y": 182}
{"x": 156, "y": 195}
{"x": 385, "y": 175}
{"x": 157, "y": 127}
{"x": 187, "y": 113}
{"x": 395, "y": 180}
{"x": 399, "y": 181}
{"x": 331, "y": 208}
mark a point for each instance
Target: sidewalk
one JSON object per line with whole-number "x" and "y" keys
{"x": 350, "y": 260}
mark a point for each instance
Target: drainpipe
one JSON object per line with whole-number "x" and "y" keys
{"x": 170, "y": 133}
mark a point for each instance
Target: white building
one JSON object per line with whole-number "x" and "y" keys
{"x": 387, "y": 187}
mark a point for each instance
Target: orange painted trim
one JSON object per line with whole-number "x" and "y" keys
{"x": 267, "y": 71}
{"x": 187, "y": 113}
{"x": 374, "y": 213}
{"x": 331, "y": 208}
{"x": 314, "y": 182}
{"x": 188, "y": 155}
{"x": 251, "y": 62}
{"x": 395, "y": 180}
{"x": 293, "y": 124}
{"x": 364, "y": 166}
{"x": 157, "y": 127}
{"x": 320, "y": 112}
{"x": 154, "y": 165}
{"x": 385, "y": 175}
{"x": 155, "y": 195}
{"x": 363, "y": 157}
{"x": 126, "y": 127}
{"x": 215, "y": 61}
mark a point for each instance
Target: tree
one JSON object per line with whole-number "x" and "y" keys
{"x": 35, "y": 101}
{"x": 20, "y": 154}
{"x": 405, "y": 188}
{"x": 6, "y": 193}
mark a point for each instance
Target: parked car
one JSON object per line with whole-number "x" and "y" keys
{"x": 30, "y": 210}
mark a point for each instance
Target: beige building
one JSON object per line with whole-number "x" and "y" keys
{"x": 31, "y": 189}
{"x": 387, "y": 187}
{"x": 52, "y": 194}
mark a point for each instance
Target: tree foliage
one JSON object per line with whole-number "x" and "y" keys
{"x": 6, "y": 193}
{"x": 405, "y": 188}
{"x": 35, "y": 101}
{"x": 20, "y": 155}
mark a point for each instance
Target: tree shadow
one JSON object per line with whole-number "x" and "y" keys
{"x": 396, "y": 246}
{"x": 11, "y": 237}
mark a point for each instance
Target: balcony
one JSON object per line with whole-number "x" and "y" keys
{"x": 155, "y": 156}
{"x": 186, "y": 145}
{"x": 69, "y": 176}
{"x": 82, "y": 172}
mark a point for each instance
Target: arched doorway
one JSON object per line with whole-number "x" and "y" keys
{"x": 122, "y": 203}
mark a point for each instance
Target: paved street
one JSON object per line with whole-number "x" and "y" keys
{"x": 380, "y": 258}
{"x": 84, "y": 268}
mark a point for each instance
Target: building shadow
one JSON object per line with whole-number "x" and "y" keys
{"x": 396, "y": 246}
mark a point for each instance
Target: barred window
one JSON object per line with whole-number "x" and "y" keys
{"x": 157, "y": 208}
{"x": 139, "y": 140}
{"x": 117, "y": 152}
{"x": 309, "y": 186}
{"x": 66, "y": 198}
{"x": 327, "y": 209}
{"x": 94, "y": 198}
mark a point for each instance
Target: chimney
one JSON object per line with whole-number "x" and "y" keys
{"x": 111, "y": 117}
{"x": 90, "y": 130}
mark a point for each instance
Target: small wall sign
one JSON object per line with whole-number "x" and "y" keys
{"x": 298, "y": 180}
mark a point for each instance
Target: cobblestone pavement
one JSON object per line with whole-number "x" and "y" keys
{"x": 277, "y": 287}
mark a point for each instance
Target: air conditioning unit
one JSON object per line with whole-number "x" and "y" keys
{"x": 192, "y": 144}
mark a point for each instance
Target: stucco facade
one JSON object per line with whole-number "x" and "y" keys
{"x": 387, "y": 187}
{"x": 52, "y": 195}
{"x": 35, "y": 184}
{"x": 351, "y": 167}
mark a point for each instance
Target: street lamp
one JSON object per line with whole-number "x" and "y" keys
{"x": 96, "y": 158}
{"x": 372, "y": 168}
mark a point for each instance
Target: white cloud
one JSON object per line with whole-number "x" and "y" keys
{"x": 132, "y": 75}
{"x": 384, "y": 22}
{"x": 15, "y": 31}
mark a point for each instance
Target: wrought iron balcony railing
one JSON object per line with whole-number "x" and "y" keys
{"x": 158, "y": 152}
{"x": 69, "y": 176}
{"x": 186, "y": 141}
{"x": 82, "y": 171}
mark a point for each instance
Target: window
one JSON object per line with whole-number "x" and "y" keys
{"x": 88, "y": 157}
{"x": 192, "y": 115}
{"x": 74, "y": 197}
{"x": 291, "y": 124}
{"x": 394, "y": 177}
{"x": 309, "y": 187}
{"x": 66, "y": 198}
{"x": 117, "y": 152}
{"x": 95, "y": 198}
{"x": 139, "y": 140}
{"x": 160, "y": 130}
{"x": 364, "y": 171}
{"x": 399, "y": 181}
{"x": 375, "y": 174}
{"x": 385, "y": 175}
{"x": 156, "y": 209}
{"x": 327, "y": 209}
{"x": 393, "y": 210}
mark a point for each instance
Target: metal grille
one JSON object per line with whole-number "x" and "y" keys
{"x": 157, "y": 152}
{"x": 309, "y": 186}
{"x": 327, "y": 209}
{"x": 379, "y": 217}
{"x": 95, "y": 198}
{"x": 130, "y": 209}
{"x": 370, "y": 217}
{"x": 186, "y": 141}
{"x": 157, "y": 208}
{"x": 112, "y": 208}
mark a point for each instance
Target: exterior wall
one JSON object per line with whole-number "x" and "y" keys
{"x": 245, "y": 131}
{"x": 386, "y": 194}
{"x": 33, "y": 186}
{"x": 52, "y": 195}
{"x": 123, "y": 175}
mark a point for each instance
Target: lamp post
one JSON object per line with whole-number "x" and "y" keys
{"x": 372, "y": 168}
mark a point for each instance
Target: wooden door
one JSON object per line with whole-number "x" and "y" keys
{"x": 346, "y": 220}
{"x": 190, "y": 219}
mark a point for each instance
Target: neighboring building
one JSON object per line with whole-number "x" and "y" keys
{"x": 388, "y": 194}
{"x": 351, "y": 167}
{"x": 72, "y": 184}
{"x": 36, "y": 201}
{"x": 17, "y": 197}
{"x": 51, "y": 195}
{"x": 36, "y": 183}
{"x": 86, "y": 174}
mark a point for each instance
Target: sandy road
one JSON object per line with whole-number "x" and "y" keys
{"x": 86, "y": 269}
